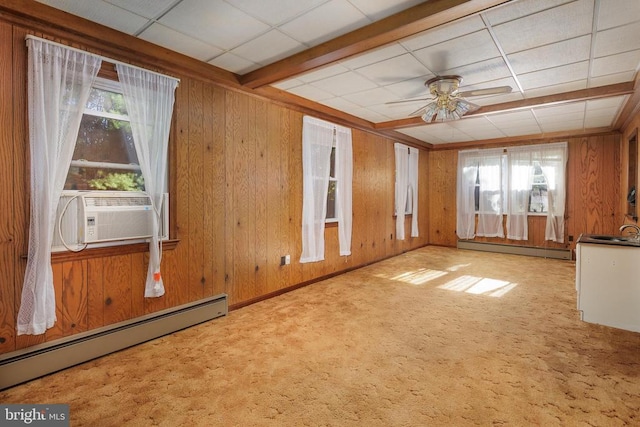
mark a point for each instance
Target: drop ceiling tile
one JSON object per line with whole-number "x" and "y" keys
{"x": 560, "y": 88}
{"x": 235, "y": 64}
{"x": 370, "y": 97}
{"x": 552, "y": 55}
{"x": 275, "y": 12}
{"x": 521, "y": 131}
{"x": 404, "y": 67}
{"x": 378, "y": 9}
{"x": 323, "y": 73}
{"x": 341, "y": 104}
{"x": 614, "y": 64}
{"x": 481, "y": 72}
{"x": 598, "y": 121}
{"x": 513, "y": 119}
{"x": 394, "y": 112}
{"x": 444, "y": 33}
{"x": 471, "y": 123}
{"x": 423, "y": 134}
{"x": 376, "y": 55}
{"x": 369, "y": 115}
{"x": 613, "y": 13}
{"x": 147, "y": 8}
{"x": 617, "y": 40}
{"x": 563, "y": 126}
{"x": 612, "y": 103}
{"x": 325, "y": 22}
{"x": 409, "y": 89}
{"x": 477, "y": 128}
{"x": 554, "y": 76}
{"x": 166, "y": 37}
{"x": 518, "y": 9}
{"x": 611, "y": 79}
{"x": 269, "y": 47}
{"x": 469, "y": 49}
{"x": 213, "y": 21}
{"x": 101, "y": 12}
{"x": 288, "y": 84}
{"x": 549, "y": 26}
{"x": 556, "y": 112}
{"x": 561, "y": 118}
{"x": 311, "y": 92}
{"x": 344, "y": 84}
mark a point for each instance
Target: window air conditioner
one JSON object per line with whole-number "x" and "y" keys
{"x": 107, "y": 216}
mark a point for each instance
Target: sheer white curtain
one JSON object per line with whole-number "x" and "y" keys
{"x": 518, "y": 191}
{"x": 468, "y": 161}
{"x": 344, "y": 176}
{"x": 59, "y": 82}
{"x": 553, "y": 161}
{"x": 149, "y": 98}
{"x": 413, "y": 184}
{"x": 402, "y": 180}
{"x": 490, "y": 206}
{"x": 317, "y": 141}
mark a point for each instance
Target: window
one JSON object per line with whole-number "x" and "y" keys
{"x": 516, "y": 182}
{"x": 333, "y": 186}
{"x": 105, "y": 157}
{"x": 327, "y": 169}
{"x": 538, "y": 200}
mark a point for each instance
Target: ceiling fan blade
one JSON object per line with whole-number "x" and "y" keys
{"x": 407, "y": 100}
{"x": 418, "y": 111}
{"x": 483, "y": 92}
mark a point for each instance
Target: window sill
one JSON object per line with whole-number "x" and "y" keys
{"x": 58, "y": 257}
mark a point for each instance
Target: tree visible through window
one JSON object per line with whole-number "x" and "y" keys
{"x": 105, "y": 157}
{"x": 333, "y": 186}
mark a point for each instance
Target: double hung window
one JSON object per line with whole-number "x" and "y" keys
{"x": 516, "y": 182}
{"x": 105, "y": 156}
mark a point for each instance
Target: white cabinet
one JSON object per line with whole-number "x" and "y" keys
{"x": 608, "y": 284}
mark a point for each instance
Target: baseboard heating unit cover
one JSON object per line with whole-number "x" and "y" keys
{"x": 556, "y": 253}
{"x": 33, "y": 362}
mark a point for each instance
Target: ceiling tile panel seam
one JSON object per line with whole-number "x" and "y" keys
{"x": 489, "y": 28}
{"x": 156, "y": 18}
{"x": 594, "y": 31}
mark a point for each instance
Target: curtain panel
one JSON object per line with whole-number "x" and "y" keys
{"x": 468, "y": 162}
{"x": 59, "y": 83}
{"x": 149, "y": 98}
{"x": 318, "y": 139}
{"x": 480, "y": 176}
{"x": 402, "y": 181}
{"x": 490, "y": 195}
{"x": 406, "y": 188}
{"x": 413, "y": 187}
{"x": 344, "y": 175}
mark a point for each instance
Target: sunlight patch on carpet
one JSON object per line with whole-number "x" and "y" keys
{"x": 418, "y": 277}
{"x": 479, "y": 286}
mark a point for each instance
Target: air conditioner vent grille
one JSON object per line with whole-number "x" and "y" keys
{"x": 117, "y": 201}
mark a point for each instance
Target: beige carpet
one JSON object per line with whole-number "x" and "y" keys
{"x": 418, "y": 340}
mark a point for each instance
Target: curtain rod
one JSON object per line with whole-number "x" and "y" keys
{"x": 106, "y": 58}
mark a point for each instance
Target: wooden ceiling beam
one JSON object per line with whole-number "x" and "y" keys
{"x": 547, "y": 100}
{"x": 409, "y": 22}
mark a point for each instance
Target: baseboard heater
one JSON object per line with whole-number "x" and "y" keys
{"x": 39, "y": 360}
{"x": 555, "y": 253}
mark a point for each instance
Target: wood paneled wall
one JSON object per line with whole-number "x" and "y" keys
{"x": 593, "y": 194}
{"x": 236, "y": 208}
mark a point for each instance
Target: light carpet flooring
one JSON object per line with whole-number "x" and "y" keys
{"x": 434, "y": 337}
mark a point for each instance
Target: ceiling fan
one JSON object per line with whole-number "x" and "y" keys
{"x": 447, "y": 103}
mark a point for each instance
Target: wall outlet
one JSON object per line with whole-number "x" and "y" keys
{"x": 285, "y": 260}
